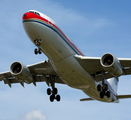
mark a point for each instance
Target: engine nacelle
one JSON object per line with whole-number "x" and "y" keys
{"x": 21, "y": 72}
{"x": 111, "y": 64}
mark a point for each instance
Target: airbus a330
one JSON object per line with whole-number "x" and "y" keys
{"x": 97, "y": 77}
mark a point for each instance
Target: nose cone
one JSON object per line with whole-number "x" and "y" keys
{"x": 30, "y": 15}
{"x": 26, "y": 16}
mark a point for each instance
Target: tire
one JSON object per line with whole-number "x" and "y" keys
{"x": 101, "y": 95}
{"x": 58, "y": 98}
{"x": 55, "y": 91}
{"x": 99, "y": 87}
{"x": 40, "y": 51}
{"x": 52, "y": 98}
{"x": 48, "y": 91}
{"x": 108, "y": 94}
{"x": 36, "y": 51}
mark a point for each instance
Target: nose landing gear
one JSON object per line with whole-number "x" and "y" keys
{"x": 38, "y": 42}
{"x": 36, "y": 51}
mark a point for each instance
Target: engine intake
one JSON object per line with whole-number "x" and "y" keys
{"x": 111, "y": 64}
{"x": 107, "y": 60}
{"x": 21, "y": 72}
{"x": 16, "y": 68}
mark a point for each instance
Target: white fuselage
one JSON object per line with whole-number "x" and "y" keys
{"x": 60, "y": 50}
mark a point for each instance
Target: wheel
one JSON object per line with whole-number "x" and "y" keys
{"x": 108, "y": 94}
{"x": 58, "y": 98}
{"x": 99, "y": 87}
{"x": 101, "y": 95}
{"x": 36, "y": 51}
{"x": 40, "y": 51}
{"x": 48, "y": 91}
{"x": 52, "y": 97}
{"x": 55, "y": 91}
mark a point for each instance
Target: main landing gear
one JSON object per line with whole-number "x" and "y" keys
{"x": 38, "y": 42}
{"x": 53, "y": 93}
{"x": 103, "y": 90}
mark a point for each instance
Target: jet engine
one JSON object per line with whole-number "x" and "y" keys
{"x": 111, "y": 64}
{"x": 21, "y": 72}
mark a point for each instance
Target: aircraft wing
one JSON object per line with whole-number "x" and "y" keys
{"x": 40, "y": 72}
{"x": 93, "y": 66}
{"x": 126, "y": 64}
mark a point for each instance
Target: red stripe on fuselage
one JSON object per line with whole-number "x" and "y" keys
{"x": 29, "y": 15}
{"x": 32, "y": 15}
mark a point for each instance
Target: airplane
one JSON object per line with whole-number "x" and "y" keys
{"x": 97, "y": 77}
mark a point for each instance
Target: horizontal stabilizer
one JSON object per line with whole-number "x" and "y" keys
{"x": 118, "y": 97}
{"x": 123, "y": 96}
{"x": 86, "y": 99}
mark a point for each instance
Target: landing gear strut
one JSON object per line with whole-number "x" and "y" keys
{"x": 53, "y": 93}
{"x": 38, "y": 42}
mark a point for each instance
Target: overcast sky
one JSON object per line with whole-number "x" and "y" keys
{"x": 96, "y": 27}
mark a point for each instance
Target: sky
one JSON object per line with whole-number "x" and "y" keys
{"x": 96, "y": 27}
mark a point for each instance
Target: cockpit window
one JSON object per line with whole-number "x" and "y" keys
{"x": 34, "y": 12}
{"x": 31, "y": 11}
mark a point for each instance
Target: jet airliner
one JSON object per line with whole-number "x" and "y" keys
{"x": 97, "y": 77}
